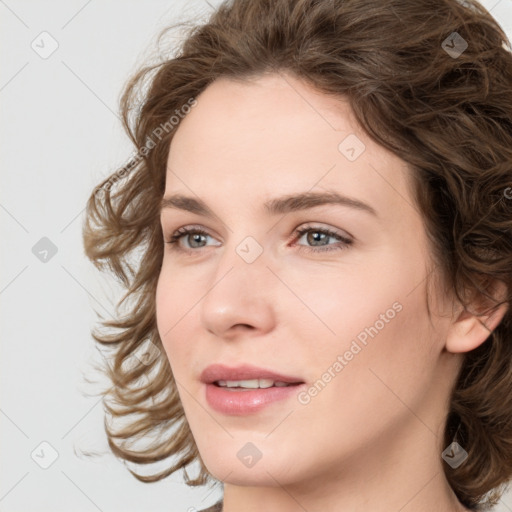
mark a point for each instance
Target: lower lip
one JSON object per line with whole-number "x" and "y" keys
{"x": 240, "y": 402}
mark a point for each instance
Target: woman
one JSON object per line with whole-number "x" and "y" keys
{"x": 322, "y": 198}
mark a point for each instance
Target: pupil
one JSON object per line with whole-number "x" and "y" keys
{"x": 196, "y": 237}
{"x": 316, "y": 236}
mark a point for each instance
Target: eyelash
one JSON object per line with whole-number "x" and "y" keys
{"x": 298, "y": 233}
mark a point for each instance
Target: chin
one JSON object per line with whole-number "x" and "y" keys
{"x": 255, "y": 476}
{"x": 240, "y": 463}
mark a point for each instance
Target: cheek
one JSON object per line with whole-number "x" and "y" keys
{"x": 376, "y": 321}
{"x": 173, "y": 310}
{"x": 336, "y": 303}
{"x": 364, "y": 390}
{"x": 389, "y": 364}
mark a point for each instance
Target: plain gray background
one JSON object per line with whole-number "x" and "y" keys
{"x": 60, "y": 136}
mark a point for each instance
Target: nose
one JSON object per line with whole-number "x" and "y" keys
{"x": 241, "y": 297}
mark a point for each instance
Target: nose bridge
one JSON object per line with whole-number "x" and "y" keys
{"x": 239, "y": 292}
{"x": 246, "y": 263}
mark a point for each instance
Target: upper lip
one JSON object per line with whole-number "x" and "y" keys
{"x": 217, "y": 372}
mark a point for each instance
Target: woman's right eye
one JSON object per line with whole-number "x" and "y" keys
{"x": 185, "y": 233}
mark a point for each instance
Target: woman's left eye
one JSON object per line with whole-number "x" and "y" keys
{"x": 321, "y": 235}
{"x": 314, "y": 235}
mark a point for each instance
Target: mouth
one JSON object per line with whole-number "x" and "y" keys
{"x": 245, "y": 385}
{"x": 245, "y": 375}
{"x": 246, "y": 389}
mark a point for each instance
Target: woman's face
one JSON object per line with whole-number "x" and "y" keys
{"x": 347, "y": 317}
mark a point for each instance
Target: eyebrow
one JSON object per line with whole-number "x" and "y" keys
{"x": 276, "y": 206}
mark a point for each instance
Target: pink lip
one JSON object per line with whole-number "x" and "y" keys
{"x": 216, "y": 372}
{"x": 240, "y": 402}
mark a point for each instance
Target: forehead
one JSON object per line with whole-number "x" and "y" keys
{"x": 275, "y": 133}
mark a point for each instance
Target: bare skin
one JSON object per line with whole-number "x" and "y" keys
{"x": 372, "y": 437}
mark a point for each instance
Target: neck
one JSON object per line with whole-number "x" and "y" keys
{"x": 404, "y": 474}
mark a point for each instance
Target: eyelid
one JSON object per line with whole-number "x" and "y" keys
{"x": 188, "y": 228}
{"x": 322, "y": 226}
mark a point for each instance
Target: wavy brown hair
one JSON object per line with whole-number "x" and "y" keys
{"x": 448, "y": 116}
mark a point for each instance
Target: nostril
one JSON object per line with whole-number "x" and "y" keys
{"x": 243, "y": 325}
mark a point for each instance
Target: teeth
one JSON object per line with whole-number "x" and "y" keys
{"x": 251, "y": 384}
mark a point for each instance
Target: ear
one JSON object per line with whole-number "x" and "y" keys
{"x": 469, "y": 330}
